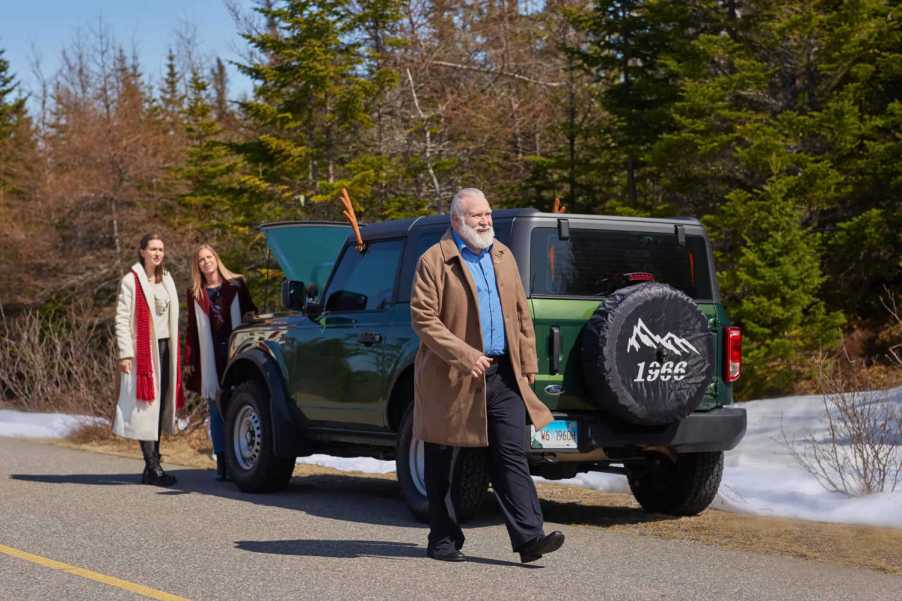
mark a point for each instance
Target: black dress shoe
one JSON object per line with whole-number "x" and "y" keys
{"x": 451, "y": 555}
{"x": 541, "y": 546}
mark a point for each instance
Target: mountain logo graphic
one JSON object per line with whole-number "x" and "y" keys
{"x": 642, "y": 336}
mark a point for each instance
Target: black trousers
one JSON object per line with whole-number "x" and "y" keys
{"x": 163, "y": 346}
{"x": 508, "y": 469}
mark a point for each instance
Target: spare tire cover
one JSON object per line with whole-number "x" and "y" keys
{"x": 648, "y": 354}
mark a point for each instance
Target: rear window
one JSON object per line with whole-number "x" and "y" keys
{"x": 597, "y": 262}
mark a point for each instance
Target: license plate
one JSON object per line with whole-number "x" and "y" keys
{"x": 559, "y": 434}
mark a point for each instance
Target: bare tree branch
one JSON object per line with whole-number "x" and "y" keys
{"x": 550, "y": 84}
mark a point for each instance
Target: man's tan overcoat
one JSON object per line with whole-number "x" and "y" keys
{"x": 450, "y": 404}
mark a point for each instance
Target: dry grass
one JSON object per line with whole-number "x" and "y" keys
{"x": 855, "y": 546}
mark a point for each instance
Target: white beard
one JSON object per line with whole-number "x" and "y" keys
{"x": 475, "y": 239}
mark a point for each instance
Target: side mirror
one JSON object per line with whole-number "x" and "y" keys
{"x": 294, "y": 295}
{"x": 345, "y": 300}
{"x": 313, "y": 309}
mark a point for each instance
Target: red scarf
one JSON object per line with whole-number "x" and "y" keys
{"x": 144, "y": 355}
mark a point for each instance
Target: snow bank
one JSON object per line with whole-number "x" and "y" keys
{"x": 42, "y": 425}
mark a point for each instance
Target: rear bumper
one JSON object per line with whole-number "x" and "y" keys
{"x": 716, "y": 430}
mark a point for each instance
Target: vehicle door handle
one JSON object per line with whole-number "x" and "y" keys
{"x": 369, "y": 338}
{"x": 555, "y": 350}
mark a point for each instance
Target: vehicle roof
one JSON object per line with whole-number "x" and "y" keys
{"x": 399, "y": 227}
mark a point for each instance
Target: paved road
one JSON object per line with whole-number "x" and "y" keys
{"x": 333, "y": 537}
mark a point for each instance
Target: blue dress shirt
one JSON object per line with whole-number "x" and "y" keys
{"x": 490, "y": 318}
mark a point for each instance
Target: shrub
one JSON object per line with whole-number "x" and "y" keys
{"x": 65, "y": 363}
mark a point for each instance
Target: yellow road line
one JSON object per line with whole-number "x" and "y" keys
{"x": 102, "y": 578}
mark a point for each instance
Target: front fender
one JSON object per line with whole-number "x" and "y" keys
{"x": 288, "y": 424}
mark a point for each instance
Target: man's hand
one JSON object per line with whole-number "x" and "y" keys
{"x": 531, "y": 378}
{"x": 125, "y": 365}
{"x": 480, "y": 366}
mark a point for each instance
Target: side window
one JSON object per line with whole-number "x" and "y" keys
{"x": 418, "y": 245}
{"x": 365, "y": 282}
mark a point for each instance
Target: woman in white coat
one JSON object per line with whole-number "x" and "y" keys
{"x": 150, "y": 388}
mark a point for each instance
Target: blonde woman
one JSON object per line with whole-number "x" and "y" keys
{"x": 218, "y": 301}
{"x": 150, "y": 387}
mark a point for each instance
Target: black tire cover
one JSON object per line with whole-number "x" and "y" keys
{"x": 648, "y": 354}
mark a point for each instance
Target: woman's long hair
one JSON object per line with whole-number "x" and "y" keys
{"x": 142, "y": 245}
{"x": 198, "y": 278}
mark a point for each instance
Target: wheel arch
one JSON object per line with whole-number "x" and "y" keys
{"x": 400, "y": 398}
{"x": 287, "y": 422}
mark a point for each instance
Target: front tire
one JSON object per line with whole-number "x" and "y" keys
{"x": 682, "y": 487}
{"x": 469, "y": 488}
{"x": 250, "y": 450}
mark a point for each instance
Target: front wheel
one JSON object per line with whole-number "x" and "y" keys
{"x": 468, "y": 490}
{"x": 250, "y": 455}
{"x": 685, "y": 486}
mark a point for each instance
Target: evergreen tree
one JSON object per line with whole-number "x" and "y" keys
{"x": 770, "y": 275}
{"x": 172, "y": 99}
{"x": 19, "y": 164}
{"x": 859, "y": 126}
{"x": 209, "y": 167}
{"x": 220, "y": 84}
{"x": 631, "y": 47}
{"x": 316, "y": 84}
{"x": 748, "y": 132}
{"x": 16, "y": 135}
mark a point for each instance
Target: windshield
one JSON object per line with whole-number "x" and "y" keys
{"x": 596, "y": 262}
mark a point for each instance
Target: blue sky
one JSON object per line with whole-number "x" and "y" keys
{"x": 43, "y": 28}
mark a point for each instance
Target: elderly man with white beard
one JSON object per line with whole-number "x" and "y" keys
{"x": 473, "y": 377}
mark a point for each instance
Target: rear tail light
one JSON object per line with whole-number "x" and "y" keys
{"x": 732, "y": 356}
{"x": 639, "y": 276}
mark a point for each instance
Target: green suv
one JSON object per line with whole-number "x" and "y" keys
{"x": 636, "y": 356}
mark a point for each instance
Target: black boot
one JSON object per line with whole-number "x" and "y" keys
{"x": 222, "y": 471}
{"x": 156, "y": 450}
{"x": 153, "y": 472}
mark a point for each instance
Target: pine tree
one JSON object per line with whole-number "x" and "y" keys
{"x": 749, "y": 132}
{"x": 172, "y": 99}
{"x": 209, "y": 172}
{"x": 316, "y": 85}
{"x": 220, "y": 83}
{"x": 16, "y": 135}
{"x": 770, "y": 275}
{"x": 631, "y": 47}
{"x": 19, "y": 168}
{"x": 859, "y": 125}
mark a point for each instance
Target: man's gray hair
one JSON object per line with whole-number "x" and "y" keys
{"x": 457, "y": 200}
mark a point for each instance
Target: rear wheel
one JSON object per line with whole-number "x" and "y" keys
{"x": 469, "y": 488}
{"x": 682, "y": 487}
{"x": 252, "y": 462}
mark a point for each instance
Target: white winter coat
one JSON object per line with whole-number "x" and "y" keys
{"x": 139, "y": 419}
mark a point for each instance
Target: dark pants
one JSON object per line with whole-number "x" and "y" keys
{"x": 509, "y": 469}
{"x": 164, "y": 382}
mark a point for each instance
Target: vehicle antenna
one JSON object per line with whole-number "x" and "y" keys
{"x": 351, "y": 216}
